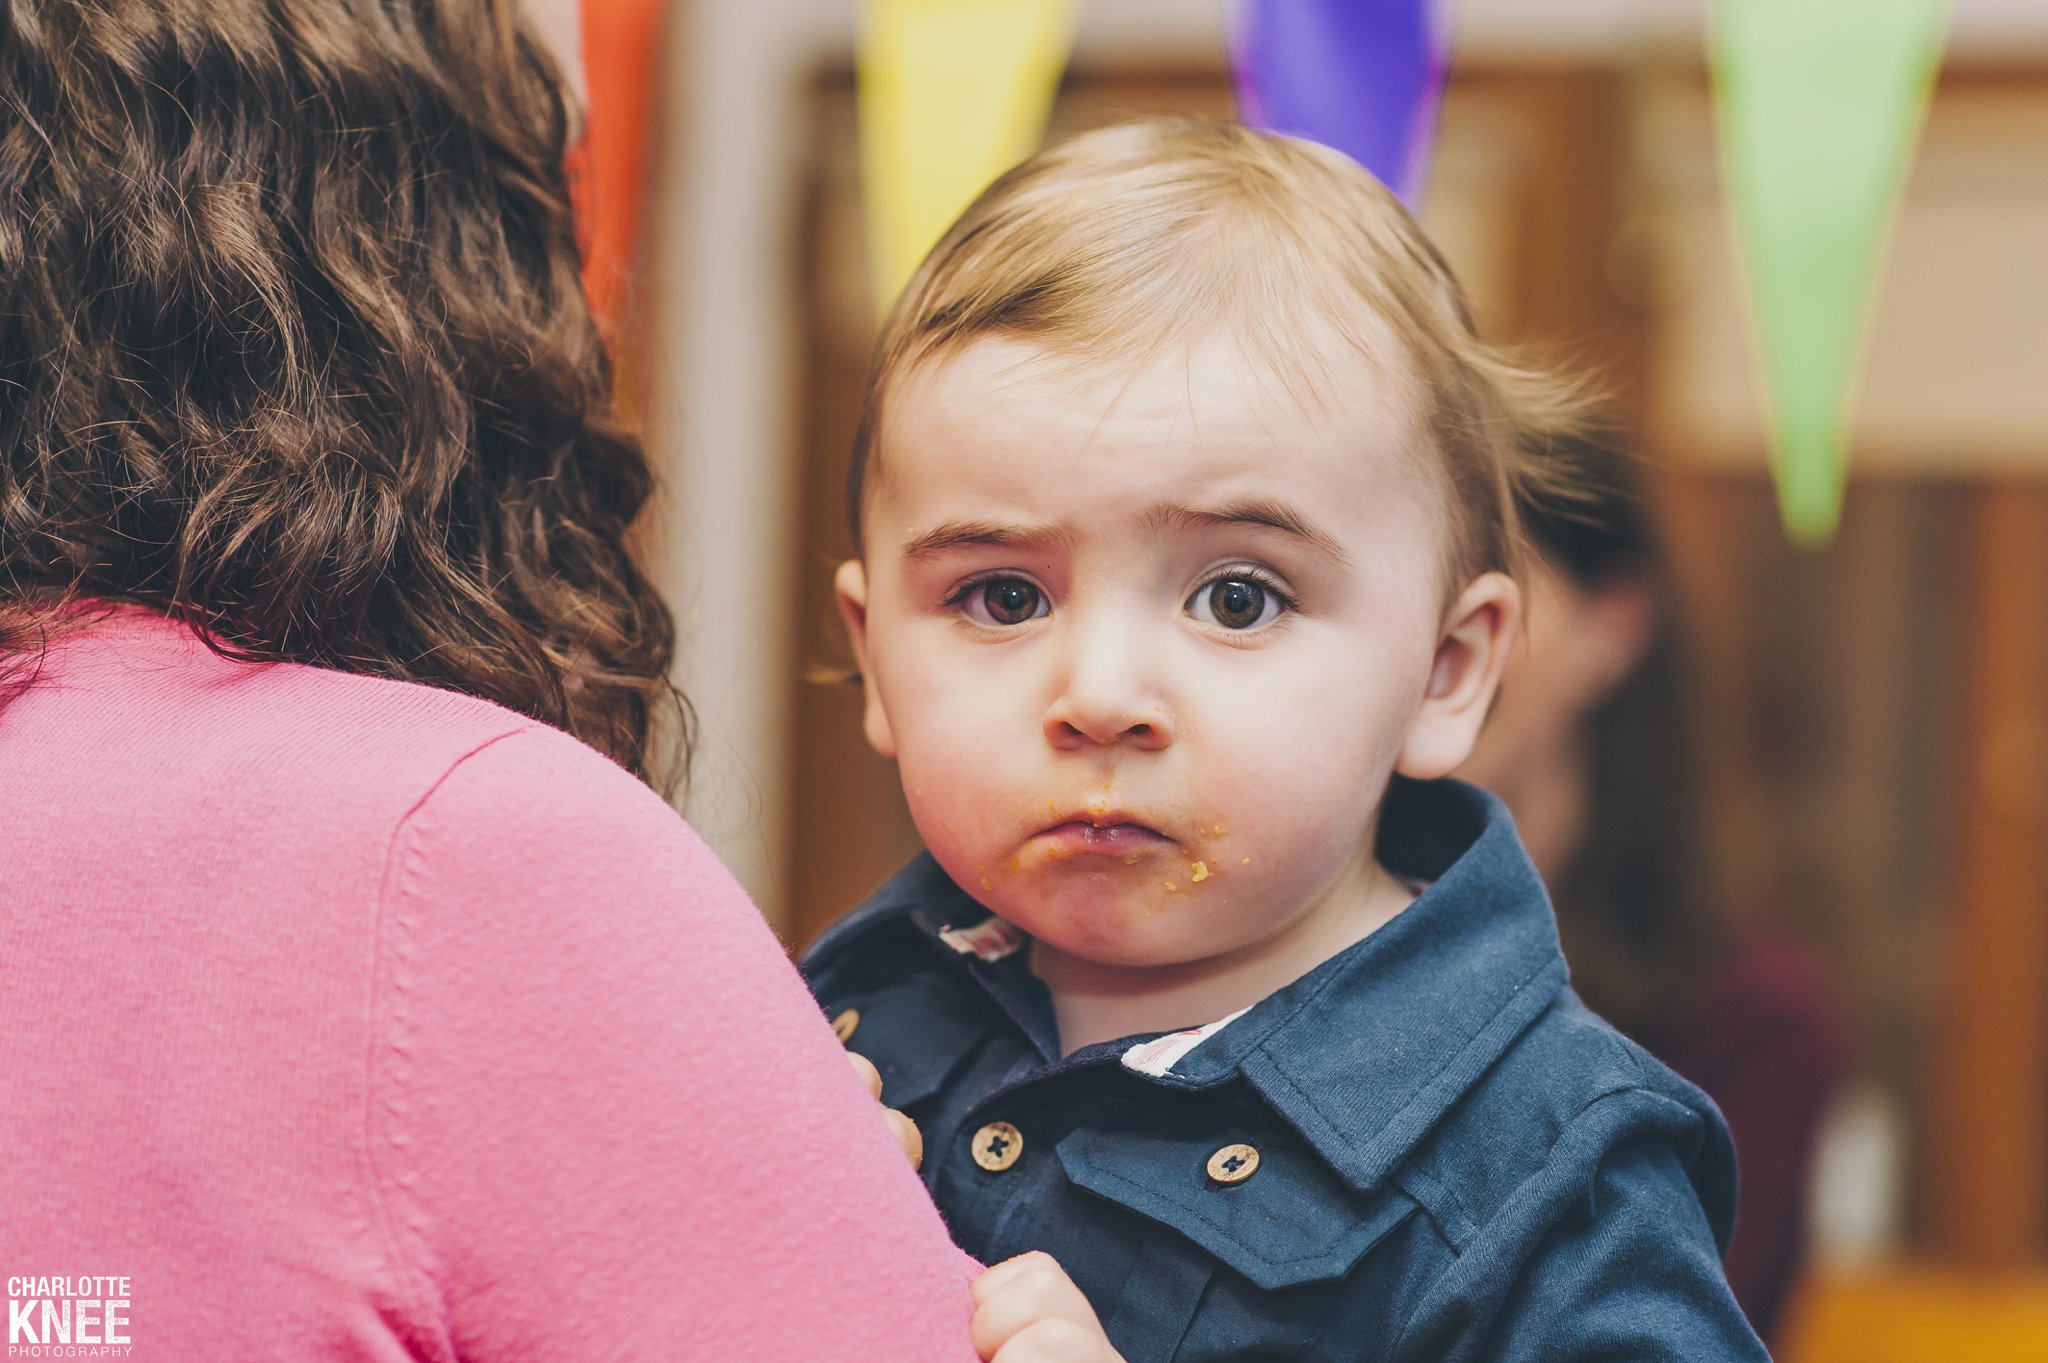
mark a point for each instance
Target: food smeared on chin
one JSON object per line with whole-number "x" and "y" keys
{"x": 1098, "y": 830}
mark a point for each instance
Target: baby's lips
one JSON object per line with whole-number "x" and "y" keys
{"x": 1092, "y": 834}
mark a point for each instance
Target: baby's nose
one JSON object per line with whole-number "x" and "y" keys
{"x": 1107, "y": 700}
{"x": 1073, "y": 727}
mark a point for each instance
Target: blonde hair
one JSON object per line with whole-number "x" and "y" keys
{"x": 1116, "y": 243}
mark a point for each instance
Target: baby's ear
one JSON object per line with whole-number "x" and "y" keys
{"x": 850, "y": 586}
{"x": 1463, "y": 676}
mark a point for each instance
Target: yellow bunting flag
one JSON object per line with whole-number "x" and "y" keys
{"x": 1820, "y": 102}
{"x": 952, "y": 94}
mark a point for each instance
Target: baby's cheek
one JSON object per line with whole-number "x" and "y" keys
{"x": 1287, "y": 836}
{"x": 955, "y": 805}
{"x": 1251, "y": 802}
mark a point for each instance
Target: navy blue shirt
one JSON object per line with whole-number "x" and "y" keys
{"x": 1426, "y": 1148}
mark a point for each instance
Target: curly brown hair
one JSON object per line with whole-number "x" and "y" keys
{"x": 293, "y": 348}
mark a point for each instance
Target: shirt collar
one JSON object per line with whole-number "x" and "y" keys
{"x": 1366, "y": 1052}
{"x": 987, "y": 950}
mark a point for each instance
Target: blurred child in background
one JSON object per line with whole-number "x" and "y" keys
{"x": 1589, "y": 748}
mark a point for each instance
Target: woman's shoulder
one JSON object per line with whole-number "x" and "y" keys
{"x": 123, "y": 666}
{"x": 136, "y": 718}
{"x": 527, "y": 803}
{"x": 132, "y": 664}
{"x": 501, "y": 800}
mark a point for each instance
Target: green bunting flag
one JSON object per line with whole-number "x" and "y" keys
{"x": 1820, "y": 102}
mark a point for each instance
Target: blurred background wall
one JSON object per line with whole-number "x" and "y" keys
{"x": 738, "y": 150}
{"x": 1875, "y": 716}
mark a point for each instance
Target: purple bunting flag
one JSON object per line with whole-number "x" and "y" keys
{"x": 1363, "y": 76}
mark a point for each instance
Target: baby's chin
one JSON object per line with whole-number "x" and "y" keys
{"x": 1147, "y": 931}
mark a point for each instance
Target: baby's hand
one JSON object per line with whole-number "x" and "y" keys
{"x": 1027, "y": 1310}
{"x": 906, "y": 1132}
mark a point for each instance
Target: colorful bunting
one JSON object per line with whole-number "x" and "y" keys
{"x": 1820, "y": 103}
{"x": 619, "y": 42}
{"x": 1363, "y": 76}
{"x": 952, "y": 94}
{"x": 622, "y": 46}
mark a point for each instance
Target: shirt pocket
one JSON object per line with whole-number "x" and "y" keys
{"x": 1241, "y": 1270}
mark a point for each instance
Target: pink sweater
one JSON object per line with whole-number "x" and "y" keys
{"x": 350, "y": 1019}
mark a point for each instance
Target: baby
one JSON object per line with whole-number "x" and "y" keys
{"x": 1184, "y": 495}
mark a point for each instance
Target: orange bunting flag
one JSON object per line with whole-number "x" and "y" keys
{"x": 611, "y": 52}
{"x": 622, "y": 58}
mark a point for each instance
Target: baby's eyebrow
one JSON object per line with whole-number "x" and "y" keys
{"x": 1260, "y": 511}
{"x": 949, "y": 535}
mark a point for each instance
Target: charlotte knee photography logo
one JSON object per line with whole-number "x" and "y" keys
{"x": 68, "y": 1318}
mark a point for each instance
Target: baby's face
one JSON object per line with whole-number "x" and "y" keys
{"x": 1147, "y": 647}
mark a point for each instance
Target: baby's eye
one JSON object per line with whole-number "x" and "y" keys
{"x": 1236, "y": 603}
{"x": 1004, "y": 601}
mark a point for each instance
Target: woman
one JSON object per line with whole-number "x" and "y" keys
{"x": 350, "y": 1006}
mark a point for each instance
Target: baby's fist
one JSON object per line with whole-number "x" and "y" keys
{"x": 1027, "y": 1310}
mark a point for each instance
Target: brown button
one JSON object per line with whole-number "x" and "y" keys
{"x": 1233, "y": 1164}
{"x": 843, "y": 1025}
{"x": 997, "y": 1146}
